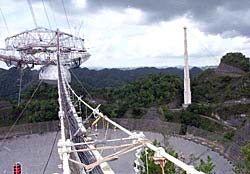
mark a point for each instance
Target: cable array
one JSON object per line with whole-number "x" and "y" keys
{"x": 81, "y": 84}
{"x": 5, "y": 22}
{"x": 46, "y": 14}
{"x": 205, "y": 48}
{"x": 32, "y": 13}
{"x": 66, "y": 15}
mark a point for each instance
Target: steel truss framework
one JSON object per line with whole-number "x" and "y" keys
{"x": 39, "y": 47}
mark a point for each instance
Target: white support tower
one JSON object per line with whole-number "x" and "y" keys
{"x": 187, "y": 90}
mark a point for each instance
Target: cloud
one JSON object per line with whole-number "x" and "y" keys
{"x": 124, "y": 43}
{"x": 216, "y": 17}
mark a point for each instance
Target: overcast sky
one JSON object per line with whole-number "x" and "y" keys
{"x": 135, "y": 33}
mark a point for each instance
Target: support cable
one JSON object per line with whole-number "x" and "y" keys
{"x": 100, "y": 115}
{"x": 109, "y": 157}
{"x": 146, "y": 154}
{"x": 53, "y": 13}
{"x": 188, "y": 168}
{"x": 66, "y": 15}
{"x": 101, "y": 148}
{"x": 205, "y": 48}
{"x": 51, "y": 151}
{"x": 20, "y": 85}
{"x": 20, "y": 115}
{"x": 105, "y": 134}
{"x": 46, "y": 13}
{"x": 5, "y": 22}
{"x": 81, "y": 84}
{"x": 32, "y": 13}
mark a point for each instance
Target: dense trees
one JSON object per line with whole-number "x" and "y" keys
{"x": 206, "y": 166}
{"x": 9, "y": 82}
{"x": 149, "y": 91}
{"x": 113, "y": 78}
{"x": 146, "y": 92}
{"x": 43, "y": 106}
{"x": 91, "y": 79}
{"x": 211, "y": 88}
{"x": 237, "y": 60}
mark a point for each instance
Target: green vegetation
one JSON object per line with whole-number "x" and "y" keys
{"x": 237, "y": 60}
{"x": 192, "y": 119}
{"x": 9, "y": 80}
{"x": 215, "y": 93}
{"x": 113, "y": 78}
{"x": 201, "y": 108}
{"x": 146, "y": 92}
{"x": 228, "y": 136}
{"x": 43, "y": 106}
{"x": 169, "y": 116}
{"x": 206, "y": 166}
{"x": 91, "y": 79}
{"x": 211, "y": 88}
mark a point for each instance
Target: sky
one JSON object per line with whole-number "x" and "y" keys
{"x": 139, "y": 33}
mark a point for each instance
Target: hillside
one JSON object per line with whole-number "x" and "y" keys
{"x": 118, "y": 77}
{"x": 9, "y": 80}
{"x": 153, "y": 90}
{"x": 215, "y": 88}
{"x": 220, "y": 85}
{"x": 237, "y": 60}
{"x": 92, "y": 79}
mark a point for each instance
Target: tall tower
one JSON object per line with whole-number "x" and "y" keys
{"x": 187, "y": 90}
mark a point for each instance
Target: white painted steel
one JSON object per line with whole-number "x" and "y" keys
{"x": 187, "y": 90}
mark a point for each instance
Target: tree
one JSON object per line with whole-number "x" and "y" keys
{"x": 146, "y": 157}
{"x": 206, "y": 166}
{"x": 153, "y": 168}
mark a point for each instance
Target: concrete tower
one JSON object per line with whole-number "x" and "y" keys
{"x": 187, "y": 90}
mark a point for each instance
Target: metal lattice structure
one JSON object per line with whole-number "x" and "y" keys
{"x": 39, "y": 47}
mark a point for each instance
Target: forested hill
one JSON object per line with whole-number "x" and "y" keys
{"x": 230, "y": 81}
{"x": 118, "y": 77}
{"x": 9, "y": 79}
{"x": 237, "y": 60}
